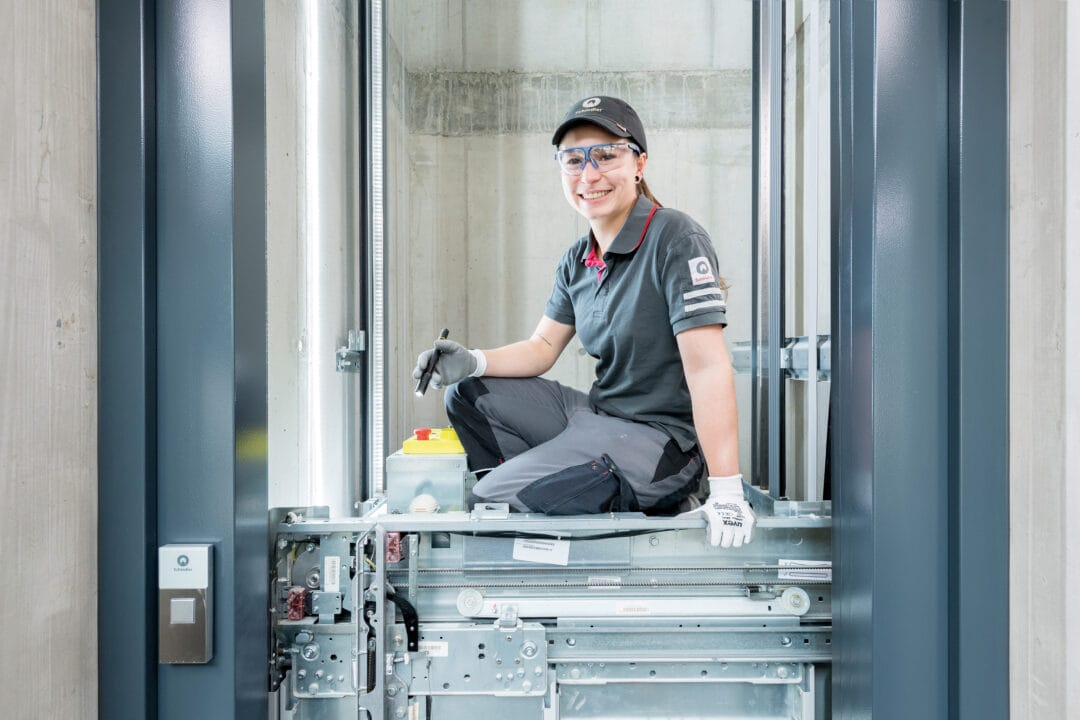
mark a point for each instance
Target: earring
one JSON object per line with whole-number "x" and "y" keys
{"x": 637, "y": 178}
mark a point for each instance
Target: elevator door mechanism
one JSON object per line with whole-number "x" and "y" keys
{"x": 458, "y": 615}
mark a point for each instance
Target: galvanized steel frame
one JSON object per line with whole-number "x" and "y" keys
{"x": 737, "y": 638}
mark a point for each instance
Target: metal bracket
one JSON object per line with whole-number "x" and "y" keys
{"x": 348, "y": 357}
{"x": 508, "y": 617}
{"x": 794, "y": 358}
{"x": 326, "y": 605}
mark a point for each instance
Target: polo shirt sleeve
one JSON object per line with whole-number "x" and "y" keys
{"x": 691, "y": 283}
{"x": 559, "y": 307}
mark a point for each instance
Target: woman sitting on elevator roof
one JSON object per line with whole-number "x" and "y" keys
{"x": 643, "y": 292}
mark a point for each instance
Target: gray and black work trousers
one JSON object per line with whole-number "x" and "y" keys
{"x": 547, "y": 451}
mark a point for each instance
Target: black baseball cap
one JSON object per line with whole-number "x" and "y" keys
{"x": 614, "y": 115}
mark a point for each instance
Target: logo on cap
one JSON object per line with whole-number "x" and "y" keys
{"x": 590, "y": 103}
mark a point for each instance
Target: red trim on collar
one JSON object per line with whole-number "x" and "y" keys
{"x": 594, "y": 260}
{"x": 646, "y": 228}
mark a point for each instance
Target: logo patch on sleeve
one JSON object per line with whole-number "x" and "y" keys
{"x": 701, "y": 271}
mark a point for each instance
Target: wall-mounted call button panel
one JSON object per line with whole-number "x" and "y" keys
{"x": 185, "y": 603}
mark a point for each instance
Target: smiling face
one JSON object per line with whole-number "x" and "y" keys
{"x": 603, "y": 198}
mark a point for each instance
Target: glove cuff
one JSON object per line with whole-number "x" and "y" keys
{"x": 729, "y": 487}
{"x": 481, "y": 363}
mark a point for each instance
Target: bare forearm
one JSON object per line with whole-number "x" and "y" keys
{"x": 712, "y": 393}
{"x": 527, "y": 358}
{"x": 532, "y": 357}
{"x": 711, "y": 380}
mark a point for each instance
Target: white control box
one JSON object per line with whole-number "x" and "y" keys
{"x": 441, "y": 480}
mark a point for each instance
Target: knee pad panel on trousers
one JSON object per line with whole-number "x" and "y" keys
{"x": 584, "y": 489}
{"x": 471, "y": 424}
{"x": 462, "y": 396}
{"x": 677, "y": 476}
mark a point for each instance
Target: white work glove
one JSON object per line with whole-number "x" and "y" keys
{"x": 729, "y": 515}
{"x": 455, "y": 363}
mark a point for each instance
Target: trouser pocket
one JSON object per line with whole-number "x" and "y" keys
{"x": 589, "y": 488}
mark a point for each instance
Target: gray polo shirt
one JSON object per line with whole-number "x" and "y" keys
{"x": 658, "y": 278}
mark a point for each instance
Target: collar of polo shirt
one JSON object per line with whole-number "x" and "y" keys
{"x": 630, "y": 236}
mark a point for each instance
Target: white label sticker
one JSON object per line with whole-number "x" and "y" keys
{"x": 551, "y": 552}
{"x": 701, "y": 271}
{"x": 633, "y": 607}
{"x": 433, "y": 648}
{"x": 332, "y": 573}
{"x": 805, "y": 570}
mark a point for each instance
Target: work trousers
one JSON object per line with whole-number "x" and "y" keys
{"x": 545, "y": 450}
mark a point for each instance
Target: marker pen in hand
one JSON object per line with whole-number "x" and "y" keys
{"x": 422, "y": 383}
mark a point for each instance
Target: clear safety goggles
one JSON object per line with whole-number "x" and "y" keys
{"x": 604, "y": 157}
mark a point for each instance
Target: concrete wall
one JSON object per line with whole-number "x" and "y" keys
{"x": 48, "y": 367}
{"x": 1044, "y": 338}
{"x": 480, "y": 222}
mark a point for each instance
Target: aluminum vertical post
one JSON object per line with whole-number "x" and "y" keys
{"x": 810, "y": 251}
{"x": 767, "y": 327}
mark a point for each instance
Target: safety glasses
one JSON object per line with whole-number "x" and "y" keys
{"x": 603, "y": 157}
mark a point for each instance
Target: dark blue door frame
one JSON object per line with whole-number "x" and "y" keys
{"x": 182, "y": 350}
{"x": 127, "y": 411}
{"x": 979, "y": 360}
{"x": 920, "y": 365}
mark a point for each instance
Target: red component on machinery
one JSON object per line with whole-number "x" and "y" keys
{"x": 393, "y": 547}
{"x": 422, "y": 433}
{"x": 294, "y": 603}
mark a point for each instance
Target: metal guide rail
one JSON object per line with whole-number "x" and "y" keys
{"x": 454, "y": 615}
